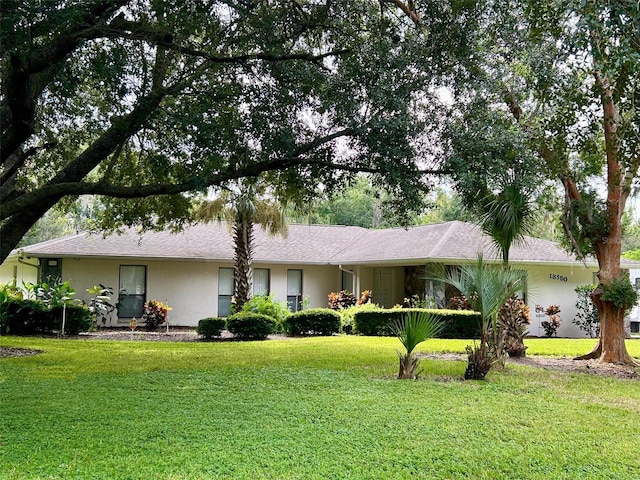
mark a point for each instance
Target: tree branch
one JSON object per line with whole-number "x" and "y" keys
{"x": 408, "y": 9}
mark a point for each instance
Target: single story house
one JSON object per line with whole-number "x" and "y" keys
{"x": 192, "y": 271}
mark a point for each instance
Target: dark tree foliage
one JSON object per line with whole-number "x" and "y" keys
{"x": 139, "y": 101}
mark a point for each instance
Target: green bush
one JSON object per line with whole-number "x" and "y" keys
{"x": 267, "y": 305}
{"x": 317, "y": 321}
{"x": 78, "y": 319}
{"x": 457, "y": 323}
{"x": 211, "y": 327}
{"x": 30, "y": 317}
{"x": 22, "y": 317}
{"x": 251, "y": 326}
{"x": 347, "y": 315}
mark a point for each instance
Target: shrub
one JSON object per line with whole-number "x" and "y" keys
{"x": 30, "y": 317}
{"x": 154, "y": 314}
{"x": 347, "y": 315}
{"x": 479, "y": 361}
{"x": 78, "y": 319}
{"x": 457, "y": 323}
{"x": 413, "y": 328}
{"x": 23, "y": 317}
{"x": 255, "y": 326}
{"x": 50, "y": 293}
{"x": 341, "y": 300}
{"x": 551, "y": 326}
{"x": 267, "y": 305}
{"x": 100, "y": 305}
{"x": 317, "y": 321}
{"x": 587, "y": 318}
{"x": 458, "y": 303}
{"x": 211, "y": 327}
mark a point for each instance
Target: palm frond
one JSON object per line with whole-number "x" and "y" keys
{"x": 415, "y": 327}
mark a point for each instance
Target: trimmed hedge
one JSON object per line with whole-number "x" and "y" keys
{"x": 458, "y": 323}
{"x": 316, "y": 321}
{"x": 30, "y": 317}
{"x": 251, "y": 326}
{"x": 211, "y": 327}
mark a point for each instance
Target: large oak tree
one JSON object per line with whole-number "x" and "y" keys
{"x": 143, "y": 100}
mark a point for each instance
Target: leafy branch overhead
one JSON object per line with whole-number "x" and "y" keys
{"x": 131, "y": 100}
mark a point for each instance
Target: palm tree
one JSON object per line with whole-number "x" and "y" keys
{"x": 412, "y": 329}
{"x": 242, "y": 209}
{"x": 486, "y": 288}
{"x": 507, "y": 217}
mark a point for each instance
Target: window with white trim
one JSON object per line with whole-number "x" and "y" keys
{"x": 133, "y": 291}
{"x": 294, "y": 290}
{"x": 225, "y": 291}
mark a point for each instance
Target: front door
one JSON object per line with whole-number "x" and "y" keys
{"x": 383, "y": 287}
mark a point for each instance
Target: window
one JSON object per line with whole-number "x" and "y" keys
{"x": 132, "y": 291}
{"x": 261, "y": 284}
{"x": 294, "y": 290}
{"x": 347, "y": 281}
{"x": 225, "y": 291}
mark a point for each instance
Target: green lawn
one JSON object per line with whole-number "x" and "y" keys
{"x": 305, "y": 408}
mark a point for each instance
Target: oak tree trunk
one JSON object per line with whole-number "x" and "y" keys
{"x": 611, "y": 347}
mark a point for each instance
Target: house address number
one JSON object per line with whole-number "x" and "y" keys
{"x": 555, "y": 276}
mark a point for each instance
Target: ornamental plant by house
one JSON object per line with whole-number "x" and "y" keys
{"x": 154, "y": 314}
{"x": 551, "y": 326}
{"x": 341, "y": 300}
{"x": 586, "y": 312}
{"x": 100, "y": 304}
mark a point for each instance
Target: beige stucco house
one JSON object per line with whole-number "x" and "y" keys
{"x": 192, "y": 270}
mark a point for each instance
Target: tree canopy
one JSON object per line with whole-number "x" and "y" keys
{"x": 559, "y": 83}
{"x": 137, "y": 99}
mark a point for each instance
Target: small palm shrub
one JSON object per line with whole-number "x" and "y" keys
{"x": 412, "y": 329}
{"x": 251, "y": 326}
{"x": 317, "y": 321}
{"x": 154, "y": 314}
{"x": 479, "y": 361}
{"x": 211, "y": 327}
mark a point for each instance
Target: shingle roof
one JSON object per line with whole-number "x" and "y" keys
{"x": 312, "y": 244}
{"x": 307, "y": 244}
{"x": 450, "y": 240}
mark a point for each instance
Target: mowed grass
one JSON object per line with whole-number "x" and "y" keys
{"x": 311, "y": 408}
